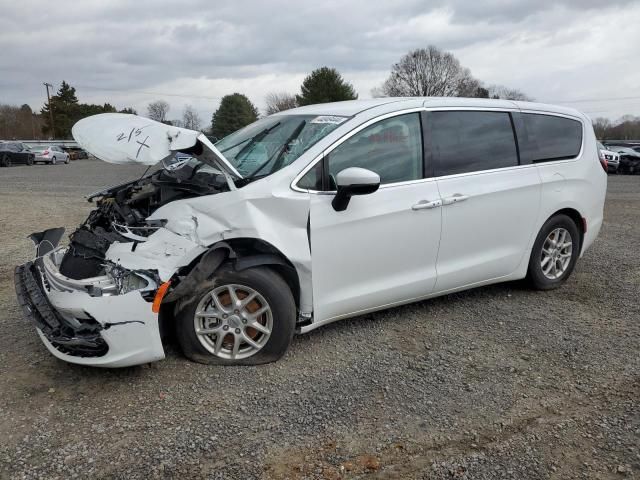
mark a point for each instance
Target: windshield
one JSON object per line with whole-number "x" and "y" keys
{"x": 274, "y": 142}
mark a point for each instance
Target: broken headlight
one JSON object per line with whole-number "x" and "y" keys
{"x": 127, "y": 281}
{"x": 132, "y": 282}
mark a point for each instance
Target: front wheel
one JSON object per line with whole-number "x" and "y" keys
{"x": 53, "y": 161}
{"x": 554, "y": 253}
{"x": 66, "y": 162}
{"x": 5, "y": 161}
{"x": 238, "y": 318}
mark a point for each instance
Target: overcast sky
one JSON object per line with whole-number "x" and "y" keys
{"x": 196, "y": 51}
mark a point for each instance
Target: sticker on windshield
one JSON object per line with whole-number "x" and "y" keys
{"x": 335, "y": 120}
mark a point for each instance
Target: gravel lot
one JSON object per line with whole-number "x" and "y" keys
{"x": 498, "y": 382}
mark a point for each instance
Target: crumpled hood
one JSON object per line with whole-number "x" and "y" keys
{"x": 129, "y": 139}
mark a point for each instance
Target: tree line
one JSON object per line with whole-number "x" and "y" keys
{"x": 626, "y": 127}
{"x": 426, "y": 71}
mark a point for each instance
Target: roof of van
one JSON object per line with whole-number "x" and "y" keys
{"x": 354, "y": 107}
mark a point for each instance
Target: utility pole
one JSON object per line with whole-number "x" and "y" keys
{"x": 53, "y": 127}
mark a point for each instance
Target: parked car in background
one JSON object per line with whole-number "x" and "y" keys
{"x": 310, "y": 216}
{"x": 15, "y": 153}
{"x": 75, "y": 153}
{"x": 72, "y": 152}
{"x": 52, "y": 154}
{"x": 629, "y": 159}
{"x": 612, "y": 159}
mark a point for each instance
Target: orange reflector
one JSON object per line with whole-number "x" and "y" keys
{"x": 160, "y": 293}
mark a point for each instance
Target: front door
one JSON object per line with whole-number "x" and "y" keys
{"x": 382, "y": 249}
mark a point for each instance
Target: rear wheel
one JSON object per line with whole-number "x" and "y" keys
{"x": 239, "y": 318}
{"x": 5, "y": 161}
{"x": 554, "y": 253}
{"x": 30, "y": 161}
{"x": 66, "y": 162}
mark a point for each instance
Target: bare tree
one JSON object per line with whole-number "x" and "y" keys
{"x": 626, "y": 127}
{"x": 190, "y": 118}
{"x": 19, "y": 123}
{"x": 601, "y": 127}
{"x": 506, "y": 93}
{"x": 277, "y": 102}
{"x": 158, "y": 110}
{"x": 429, "y": 72}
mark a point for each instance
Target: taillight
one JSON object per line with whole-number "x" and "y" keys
{"x": 603, "y": 160}
{"x": 605, "y": 165}
{"x": 46, "y": 152}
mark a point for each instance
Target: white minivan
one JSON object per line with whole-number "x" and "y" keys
{"x": 309, "y": 216}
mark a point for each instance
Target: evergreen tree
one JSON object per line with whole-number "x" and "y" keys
{"x": 325, "y": 85}
{"x": 235, "y": 111}
{"x": 67, "y": 111}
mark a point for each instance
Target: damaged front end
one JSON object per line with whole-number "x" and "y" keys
{"x": 97, "y": 300}
{"x": 104, "y": 320}
{"x": 93, "y": 301}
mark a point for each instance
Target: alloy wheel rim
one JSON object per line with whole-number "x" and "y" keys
{"x": 557, "y": 250}
{"x": 233, "y": 321}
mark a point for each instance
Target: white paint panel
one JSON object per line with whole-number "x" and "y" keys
{"x": 378, "y": 251}
{"x": 486, "y": 236}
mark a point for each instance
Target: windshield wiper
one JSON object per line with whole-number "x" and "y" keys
{"x": 280, "y": 151}
{"x": 252, "y": 140}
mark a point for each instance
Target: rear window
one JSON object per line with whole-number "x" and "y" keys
{"x": 463, "y": 142}
{"x": 552, "y": 138}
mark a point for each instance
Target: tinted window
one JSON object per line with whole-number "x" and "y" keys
{"x": 552, "y": 138}
{"x": 464, "y": 142}
{"x": 392, "y": 148}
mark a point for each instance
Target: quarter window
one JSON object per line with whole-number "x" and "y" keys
{"x": 312, "y": 180}
{"x": 392, "y": 148}
{"x": 551, "y": 138}
{"x": 466, "y": 141}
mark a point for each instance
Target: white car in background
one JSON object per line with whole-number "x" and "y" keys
{"x": 309, "y": 216}
{"x": 611, "y": 158}
{"x": 52, "y": 154}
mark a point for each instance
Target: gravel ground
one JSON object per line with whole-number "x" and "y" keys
{"x": 498, "y": 382}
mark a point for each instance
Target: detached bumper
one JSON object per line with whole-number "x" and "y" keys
{"x": 99, "y": 329}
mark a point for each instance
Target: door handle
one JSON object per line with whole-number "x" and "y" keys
{"x": 455, "y": 198}
{"x": 426, "y": 204}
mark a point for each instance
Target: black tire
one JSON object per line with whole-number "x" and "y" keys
{"x": 30, "y": 161}
{"x": 274, "y": 290}
{"x": 5, "y": 161}
{"x": 535, "y": 275}
{"x": 53, "y": 161}
{"x": 66, "y": 162}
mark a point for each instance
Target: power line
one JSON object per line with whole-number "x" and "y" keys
{"x": 207, "y": 97}
{"x": 157, "y": 94}
{"x": 590, "y": 100}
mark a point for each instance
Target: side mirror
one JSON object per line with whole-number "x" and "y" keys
{"x": 353, "y": 181}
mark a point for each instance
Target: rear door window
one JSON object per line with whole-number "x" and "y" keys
{"x": 549, "y": 137}
{"x": 469, "y": 141}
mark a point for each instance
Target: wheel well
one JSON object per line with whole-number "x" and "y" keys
{"x": 252, "y": 252}
{"x": 577, "y": 219}
{"x": 243, "y": 253}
